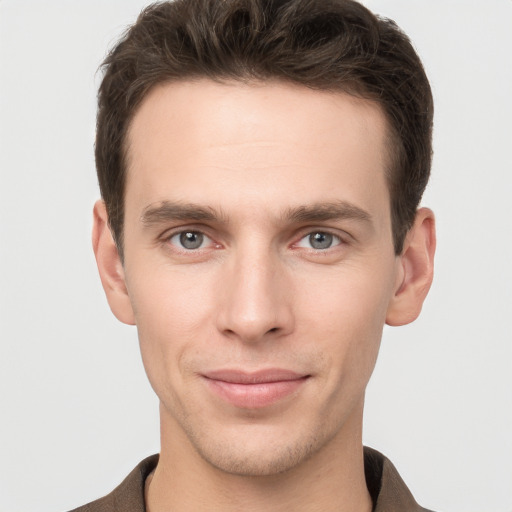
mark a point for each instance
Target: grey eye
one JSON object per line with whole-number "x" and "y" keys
{"x": 189, "y": 239}
{"x": 320, "y": 240}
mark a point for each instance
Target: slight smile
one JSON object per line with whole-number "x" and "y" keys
{"x": 254, "y": 390}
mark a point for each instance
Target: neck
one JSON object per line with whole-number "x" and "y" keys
{"x": 330, "y": 480}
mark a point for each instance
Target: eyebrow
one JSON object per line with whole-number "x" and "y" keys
{"x": 320, "y": 212}
{"x": 166, "y": 211}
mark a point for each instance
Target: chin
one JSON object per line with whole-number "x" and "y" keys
{"x": 257, "y": 464}
{"x": 246, "y": 456}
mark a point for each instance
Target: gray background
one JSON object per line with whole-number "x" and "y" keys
{"x": 76, "y": 412}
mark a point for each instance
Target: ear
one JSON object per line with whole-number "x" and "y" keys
{"x": 416, "y": 270}
{"x": 110, "y": 266}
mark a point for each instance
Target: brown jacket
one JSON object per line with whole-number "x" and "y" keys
{"x": 388, "y": 491}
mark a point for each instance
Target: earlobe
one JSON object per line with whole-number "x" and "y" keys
{"x": 416, "y": 270}
{"x": 110, "y": 266}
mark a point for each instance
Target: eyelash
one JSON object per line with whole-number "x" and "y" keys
{"x": 166, "y": 238}
{"x": 336, "y": 241}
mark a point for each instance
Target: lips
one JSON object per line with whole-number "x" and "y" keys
{"x": 253, "y": 390}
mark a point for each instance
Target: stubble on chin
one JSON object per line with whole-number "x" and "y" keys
{"x": 267, "y": 461}
{"x": 261, "y": 452}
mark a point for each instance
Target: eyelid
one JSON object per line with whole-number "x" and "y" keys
{"x": 342, "y": 237}
{"x": 166, "y": 236}
{"x": 183, "y": 228}
{"x": 336, "y": 241}
{"x": 205, "y": 240}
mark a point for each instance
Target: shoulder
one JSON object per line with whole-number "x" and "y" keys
{"x": 129, "y": 495}
{"x": 389, "y": 492}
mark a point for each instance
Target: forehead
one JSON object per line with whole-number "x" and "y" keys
{"x": 260, "y": 143}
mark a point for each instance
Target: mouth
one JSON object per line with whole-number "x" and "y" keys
{"x": 254, "y": 390}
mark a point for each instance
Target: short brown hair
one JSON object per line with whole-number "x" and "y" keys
{"x": 335, "y": 45}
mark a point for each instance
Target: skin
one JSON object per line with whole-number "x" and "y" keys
{"x": 257, "y": 170}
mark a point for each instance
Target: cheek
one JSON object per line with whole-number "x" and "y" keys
{"x": 346, "y": 316}
{"x": 352, "y": 297}
{"x": 168, "y": 300}
{"x": 347, "y": 328}
{"x": 171, "y": 311}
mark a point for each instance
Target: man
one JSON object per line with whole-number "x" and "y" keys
{"x": 261, "y": 165}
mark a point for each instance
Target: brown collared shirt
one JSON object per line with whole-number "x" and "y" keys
{"x": 388, "y": 491}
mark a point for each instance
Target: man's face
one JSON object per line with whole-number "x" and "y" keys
{"x": 259, "y": 264}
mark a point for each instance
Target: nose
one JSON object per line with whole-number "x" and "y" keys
{"x": 257, "y": 298}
